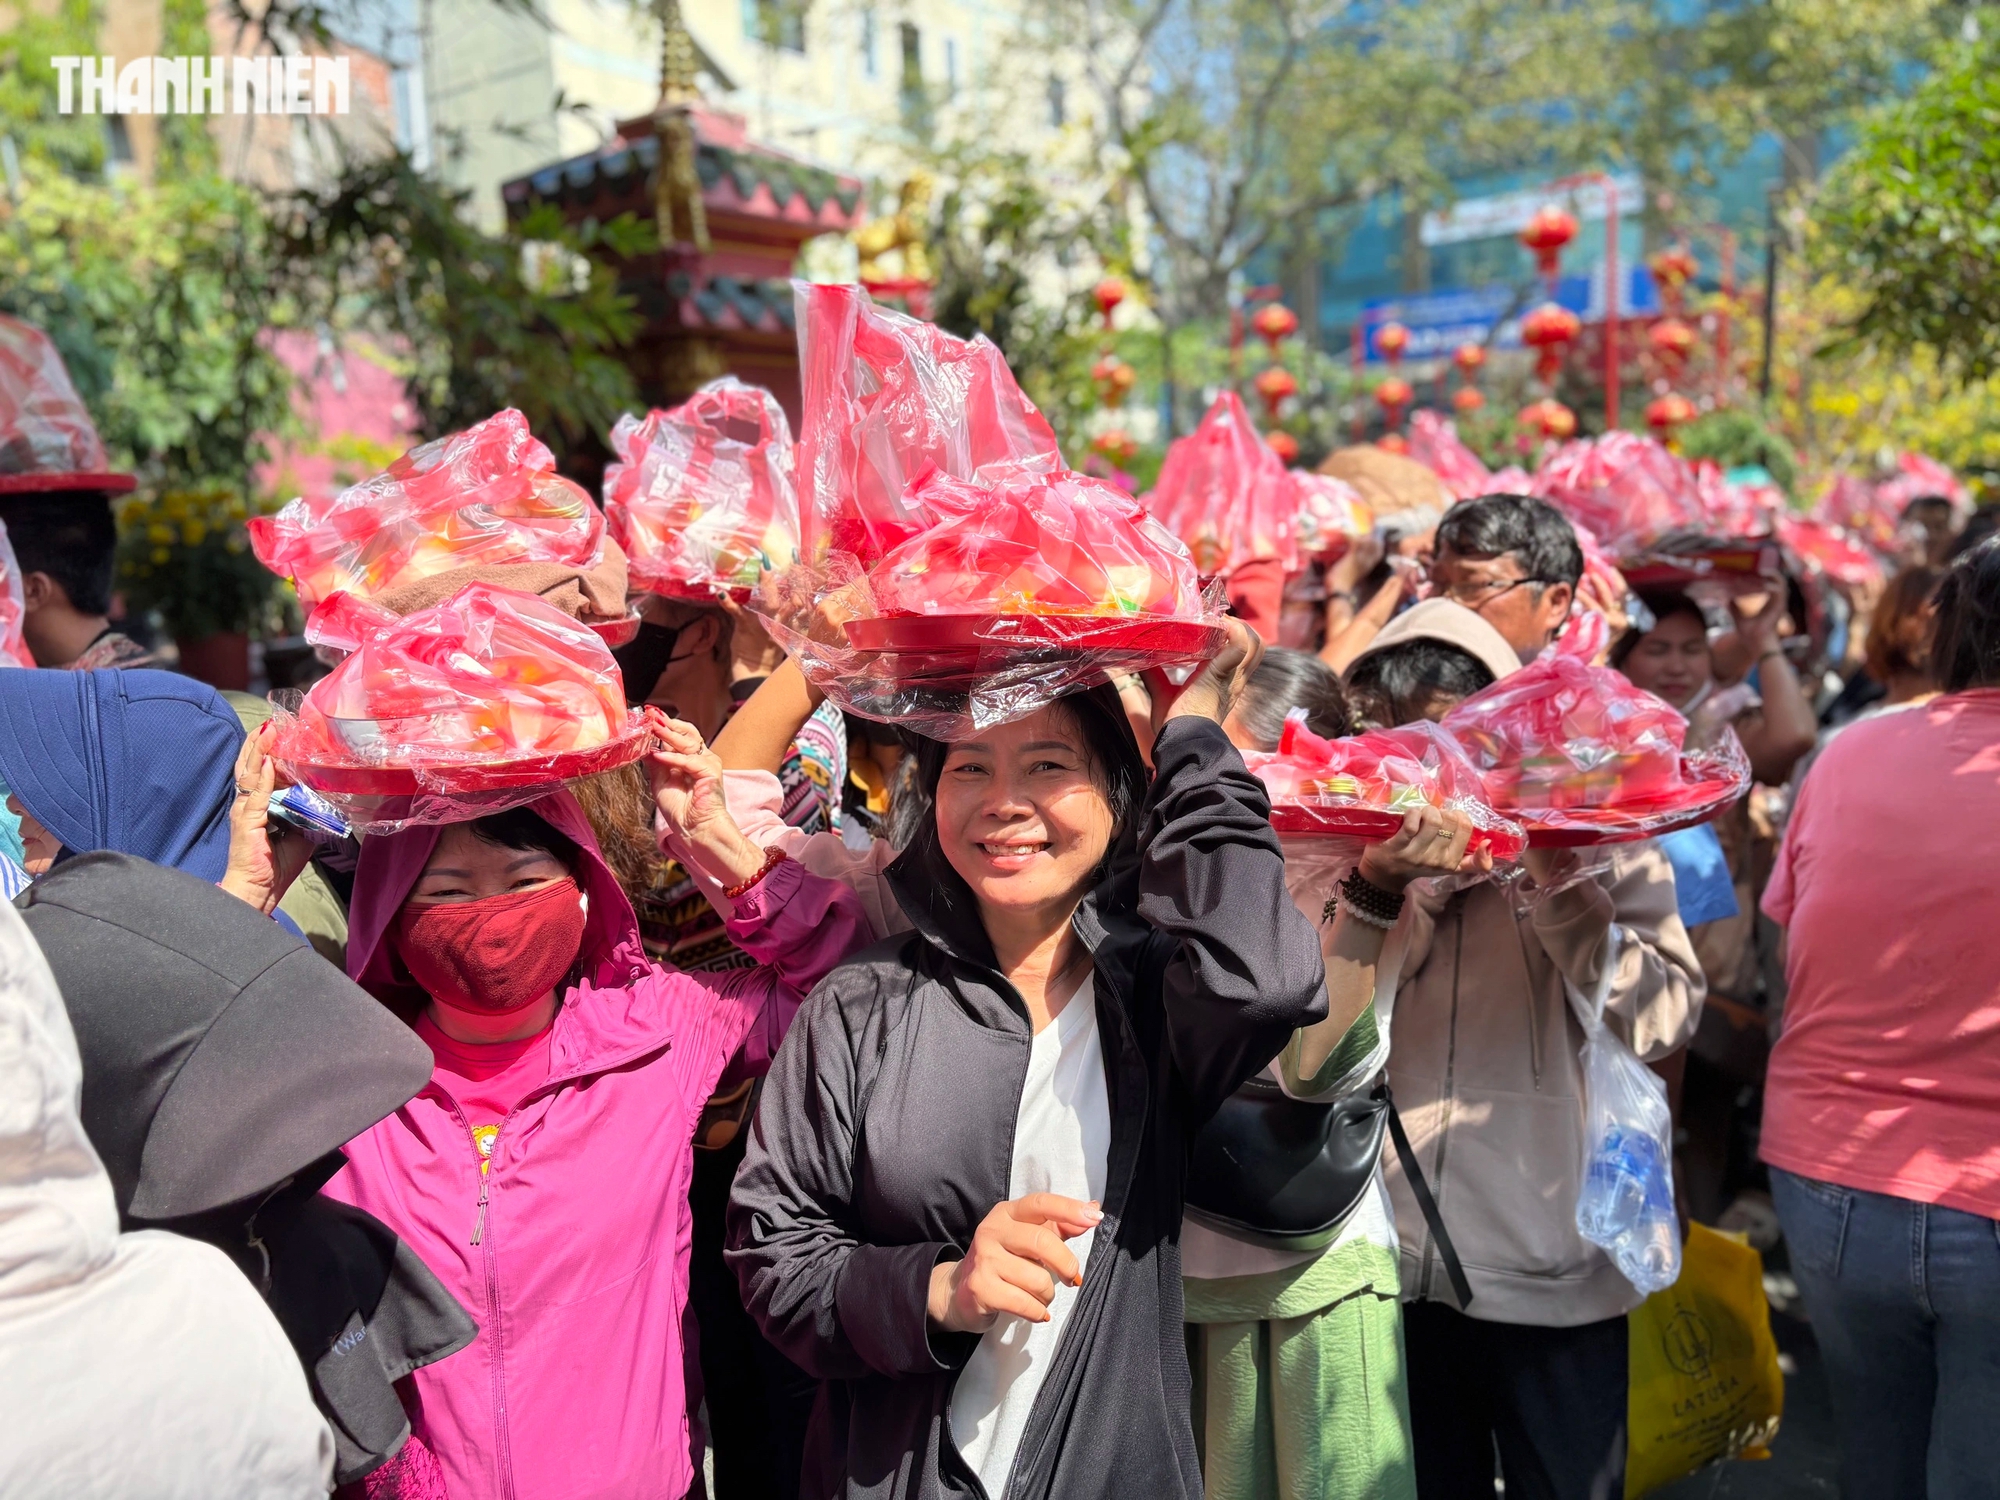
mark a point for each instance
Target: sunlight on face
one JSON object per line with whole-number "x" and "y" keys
{"x": 39, "y": 847}
{"x": 1020, "y": 814}
{"x": 464, "y": 867}
{"x": 1671, "y": 659}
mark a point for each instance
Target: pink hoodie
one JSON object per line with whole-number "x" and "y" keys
{"x": 578, "y": 1277}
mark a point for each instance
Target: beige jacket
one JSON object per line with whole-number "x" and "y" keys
{"x": 1483, "y": 1061}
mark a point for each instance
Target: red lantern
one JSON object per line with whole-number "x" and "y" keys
{"x": 1114, "y": 379}
{"x": 1550, "y": 329}
{"x": 1673, "y": 268}
{"x": 1467, "y": 398}
{"x": 1116, "y": 444}
{"x": 1470, "y": 359}
{"x": 1283, "y": 444}
{"x": 1393, "y": 442}
{"x": 1669, "y": 412}
{"x": 1274, "y": 322}
{"x": 1393, "y": 395}
{"x": 1672, "y": 340}
{"x": 1548, "y": 231}
{"x": 1109, "y": 293}
{"x": 1548, "y": 417}
{"x": 1392, "y": 340}
{"x": 1274, "y": 384}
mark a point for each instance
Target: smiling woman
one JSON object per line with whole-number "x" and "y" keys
{"x": 966, "y": 1174}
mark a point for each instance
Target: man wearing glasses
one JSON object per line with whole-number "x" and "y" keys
{"x": 1514, "y": 562}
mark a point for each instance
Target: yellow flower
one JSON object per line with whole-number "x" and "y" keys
{"x": 158, "y": 532}
{"x": 192, "y": 532}
{"x": 161, "y": 554}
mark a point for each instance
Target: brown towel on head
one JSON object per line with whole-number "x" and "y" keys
{"x": 592, "y": 595}
{"x": 1389, "y": 482}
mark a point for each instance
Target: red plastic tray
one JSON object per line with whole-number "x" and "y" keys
{"x": 616, "y": 633}
{"x": 493, "y": 776}
{"x": 1547, "y": 836}
{"x": 1737, "y": 565}
{"x": 1371, "y": 825}
{"x": 969, "y": 635}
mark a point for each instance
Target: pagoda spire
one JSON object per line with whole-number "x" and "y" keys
{"x": 677, "y": 205}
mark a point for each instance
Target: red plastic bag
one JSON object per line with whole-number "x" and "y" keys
{"x": 1578, "y": 755}
{"x": 1361, "y": 786}
{"x": 1736, "y": 510}
{"x": 1434, "y": 443}
{"x": 487, "y": 495}
{"x": 888, "y": 398}
{"x": 484, "y": 702}
{"x": 701, "y": 497}
{"x": 1627, "y": 490}
{"x": 47, "y": 440}
{"x": 1332, "y": 516}
{"x": 1831, "y": 550}
{"x": 1029, "y": 584}
{"x": 1872, "y": 508}
{"x": 1224, "y": 492}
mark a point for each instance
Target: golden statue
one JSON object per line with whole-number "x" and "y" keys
{"x": 892, "y": 247}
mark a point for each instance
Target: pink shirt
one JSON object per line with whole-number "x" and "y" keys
{"x": 1887, "y": 1076}
{"x": 487, "y": 1080}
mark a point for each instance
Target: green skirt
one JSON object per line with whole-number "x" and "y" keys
{"x": 1299, "y": 1390}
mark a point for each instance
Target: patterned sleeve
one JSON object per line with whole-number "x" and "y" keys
{"x": 814, "y": 774}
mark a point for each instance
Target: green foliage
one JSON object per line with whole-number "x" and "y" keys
{"x": 183, "y": 552}
{"x": 1911, "y": 218}
{"x": 1739, "y": 438}
{"x": 28, "y": 97}
{"x": 485, "y": 321}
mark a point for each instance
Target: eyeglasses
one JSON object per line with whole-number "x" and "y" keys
{"x": 1480, "y": 591}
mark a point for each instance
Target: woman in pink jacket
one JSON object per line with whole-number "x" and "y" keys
{"x": 543, "y": 1172}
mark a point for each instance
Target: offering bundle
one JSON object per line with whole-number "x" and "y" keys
{"x": 47, "y": 440}
{"x": 1225, "y": 494}
{"x": 1363, "y": 785}
{"x": 1332, "y": 516}
{"x": 485, "y": 496}
{"x": 1578, "y": 755}
{"x": 701, "y": 496}
{"x": 482, "y": 703}
{"x": 1627, "y": 490}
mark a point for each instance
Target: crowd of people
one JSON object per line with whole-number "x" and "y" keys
{"x": 814, "y": 1108}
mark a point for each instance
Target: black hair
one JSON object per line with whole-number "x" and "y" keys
{"x": 72, "y": 539}
{"x": 1984, "y": 522}
{"x": 1662, "y": 605}
{"x": 1287, "y": 680}
{"x": 1965, "y": 644}
{"x": 1928, "y": 502}
{"x": 1396, "y": 684}
{"x": 522, "y": 828}
{"x": 1532, "y": 532}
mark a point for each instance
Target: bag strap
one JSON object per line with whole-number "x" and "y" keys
{"x": 1414, "y": 1175}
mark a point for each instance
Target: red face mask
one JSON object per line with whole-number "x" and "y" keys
{"x": 495, "y": 954}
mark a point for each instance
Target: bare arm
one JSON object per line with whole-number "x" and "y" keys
{"x": 759, "y": 735}
{"x": 1340, "y": 650}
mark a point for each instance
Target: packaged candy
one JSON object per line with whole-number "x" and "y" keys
{"x": 1225, "y": 494}
{"x": 47, "y": 440}
{"x": 1434, "y": 443}
{"x": 1361, "y": 786}
{"x": 1578, "y": 755}
{"x": 887, "y": 399}
{"x": 1332, "y": 516}
{"x": 482, "y": 703}
{"x": 1627, "y": 490}
{"x": 701, "y": 497}
{"x": 1028, "y": 584}
{"x": 484, "y": 496}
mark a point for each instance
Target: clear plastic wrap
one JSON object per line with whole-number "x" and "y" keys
{"x": 482, "y": 703}
{"x": 1225, "y": 494}
{"x": 888, "y": 398}
{"x": 47, "y": 440}
{"x": 13, "y": 607}
{"x": 484, "y": 496}
{"x": 1626, "y": 1204}
{"x": 1831, "y": 550}
{"x": 1435, "y": 443}
{"x": 1027, "y": 585}
{"x": 1332, "y": 516}
{"x": 1736, "y": 510}
{"x": 701, "y": 496}
{"x": 1361, "y": 786}
{"x": 1578, "y": 755}
{"x": 1627, "y": 490}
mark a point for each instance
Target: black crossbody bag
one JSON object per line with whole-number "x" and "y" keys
{"x": 1287, "y": 1173}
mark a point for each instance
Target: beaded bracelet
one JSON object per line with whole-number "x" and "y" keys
{"x": 1377, "y": 907}
{"x": 773, "y": 857}
{"x": 1361, "y": 916}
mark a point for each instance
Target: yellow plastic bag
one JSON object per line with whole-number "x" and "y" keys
{"x": 1705, "y": 1384}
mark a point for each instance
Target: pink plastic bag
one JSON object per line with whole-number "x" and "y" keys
{"x": 701, "y": 497}
{"x": 484, "y": 702}
{"x": 887, "y": 399}
{"x": 1578, "y": 755}
{"x": 1332, "y": 516}
{"x": 47, "y": 440}
{"x": 1224, "y": 492}
{"x": 1363, "y": 785}
{"x": 1627, "y": 490}
{"x": 1028, "y": 584}
{"x": 487, "y": 495}
{"x": 1831, "y": 550}
{"x": 13, "y": 608}
{"x": 1871, "y": 509}
{"x": 1434, "y": 443}
{"x": 1736, "y": 510}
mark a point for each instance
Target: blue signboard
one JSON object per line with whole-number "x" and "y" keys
{"x": 1440, "y": 321}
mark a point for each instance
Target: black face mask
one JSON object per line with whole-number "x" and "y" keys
{"x": 642, "y": 659}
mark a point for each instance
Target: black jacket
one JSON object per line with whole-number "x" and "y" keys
{"x": 885, "y": 1136}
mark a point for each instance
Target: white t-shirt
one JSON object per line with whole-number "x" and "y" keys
{"x": 1062, "y": 1144}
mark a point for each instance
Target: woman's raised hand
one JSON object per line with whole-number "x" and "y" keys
{"x": 1432, "y": 841}
{"x": 686, "y": 779}
{"x": 1216, "y": 685}
{"x": 1017, "y": 1256}
{"x": 265, "y": 856}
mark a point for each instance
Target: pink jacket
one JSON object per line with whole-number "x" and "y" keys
{"x": 572, "y": 1253}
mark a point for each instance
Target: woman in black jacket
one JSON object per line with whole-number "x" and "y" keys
{"x": 961, "y": 1204}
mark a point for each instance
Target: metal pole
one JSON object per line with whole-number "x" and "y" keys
{"x": 1770, "y": 298}
{"x": 1610, "y": 301}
